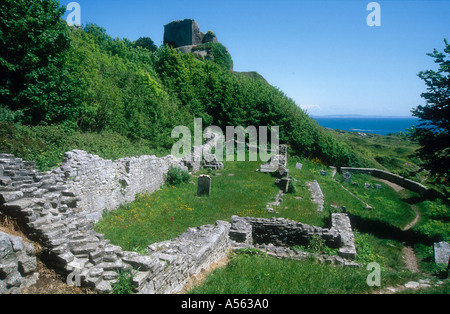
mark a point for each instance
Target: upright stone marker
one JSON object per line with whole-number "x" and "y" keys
{"x": 347, "y": 177}
{"x": 441, "y": 252}
{"x": 204, "y": 185}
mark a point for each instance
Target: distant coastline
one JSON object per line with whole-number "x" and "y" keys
{"x": 382, "y": 125}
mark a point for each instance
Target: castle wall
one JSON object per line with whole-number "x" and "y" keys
{"x": 182, "y": 33}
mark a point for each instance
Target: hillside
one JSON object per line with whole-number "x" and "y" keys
{"x": 132, "y": 94}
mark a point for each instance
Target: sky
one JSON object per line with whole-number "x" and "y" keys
{"x": 321, "y": 53}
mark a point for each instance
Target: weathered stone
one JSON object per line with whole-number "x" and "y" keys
{"x": 347, "y": 177}
{"x": 204, "y": 185}
{"x": 341, "y": 223}
{"x": 6, "y": 197}
{"x": 182, "y": 33}
{"x": 141, "y": 262}
{"x": 317, "y": 196}
{"x": 18, "y": 265}
{"x": 441, "y": 252}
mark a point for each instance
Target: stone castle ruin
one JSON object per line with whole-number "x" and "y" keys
{"x": 186, "y": 37}
{"x": 186, "y": 33}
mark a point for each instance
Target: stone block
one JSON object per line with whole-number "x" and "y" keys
{"x": 441, "y": 252}
{"x": 204, "y": 185}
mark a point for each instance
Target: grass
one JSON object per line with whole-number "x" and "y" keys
{"x": 394, "y": 152}
{"x": 388, "y": 205}
{"x": 169, "y": 212}
{"x": 250, "y": 272}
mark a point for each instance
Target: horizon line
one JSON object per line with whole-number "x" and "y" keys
{"x": 361, "y": 116}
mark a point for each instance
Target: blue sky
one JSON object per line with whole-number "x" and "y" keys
{"x": 320, "y": 53}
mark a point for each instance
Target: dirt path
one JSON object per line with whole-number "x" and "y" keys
{"x": 408, "y": 252}
{"x": 414, "y": 222}
{"x": 397, "y": 188}
{"x": 410, "y": 259}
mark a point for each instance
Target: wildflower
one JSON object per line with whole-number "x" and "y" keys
{"x": 172, "y": 219}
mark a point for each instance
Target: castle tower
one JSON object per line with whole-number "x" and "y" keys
{"x": 182, "y": 33}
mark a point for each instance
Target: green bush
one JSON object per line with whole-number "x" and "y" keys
{"x": 220, "y": 54}
{"x": 176, "y": 176}
{"x": 124, "y": 283}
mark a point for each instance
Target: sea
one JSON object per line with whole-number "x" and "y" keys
{"x": 364, "y": 124}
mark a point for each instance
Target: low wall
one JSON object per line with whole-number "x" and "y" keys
{"x": 403, "y": 182}
{"x": 285, "y": 233}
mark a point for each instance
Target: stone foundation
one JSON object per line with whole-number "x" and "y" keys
{"x": 280, "y": 232}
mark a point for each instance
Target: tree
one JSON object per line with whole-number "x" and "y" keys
{"x": 35, "y": 78}
{"x": 147, "y": 43}
{"x": 433, "y": 131}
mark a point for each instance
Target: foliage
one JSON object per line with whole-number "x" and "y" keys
{"x": 177, "y": 176}
{"x": 223, "y": 98}
{"x": 87, "y": 81}
{"x": 147, "y": 43}
{"x": 219, "y": 52}
{"x": 121, "y": 90}
{"x": 46, "y": 145}
{"x": 36, "y": 78}
{"x": 366, "y": 252}
{"x": 433, "y": 133}
{"x": 124, "y": 283}
{"x": 317, "y": 245}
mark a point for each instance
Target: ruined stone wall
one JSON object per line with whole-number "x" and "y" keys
{"x": 59, "y": 209}
{"x": 105, "y": 185}
{"x": 282, "y": 232}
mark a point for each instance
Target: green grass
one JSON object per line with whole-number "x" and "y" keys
{"x": 394, "y": 152}
{"x": 167, "y": 213}
{"x": 388, "y": 205}
{"x": 249, "y": 272}
{"x": 240, "y": 190}
{"x": 435, "y": 219}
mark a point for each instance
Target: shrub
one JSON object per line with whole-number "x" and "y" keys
{"x": 124, "y": 284}
{"x": 176, "y": 176}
